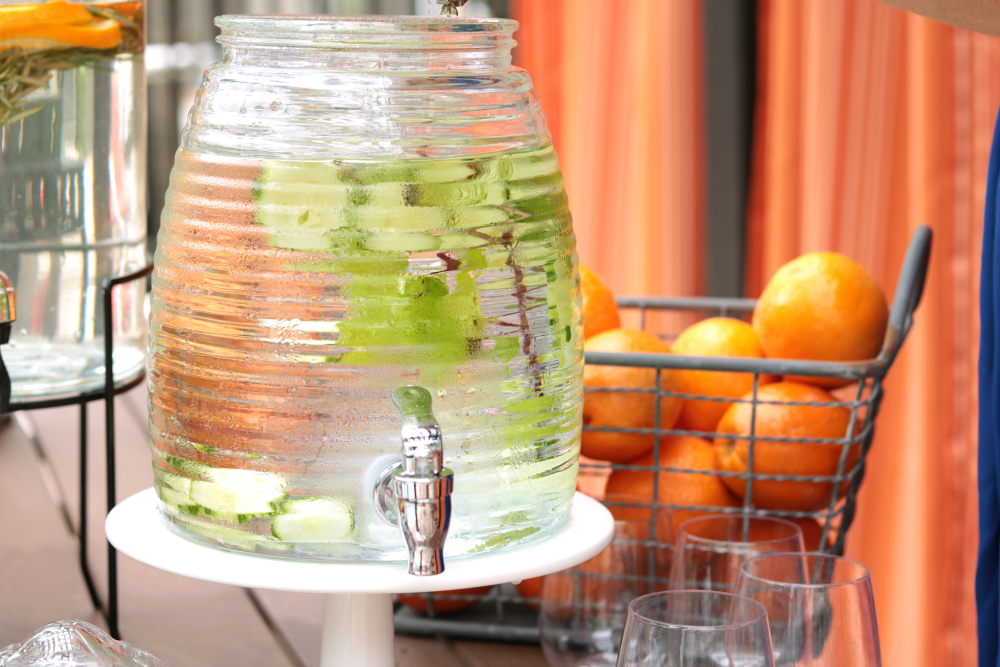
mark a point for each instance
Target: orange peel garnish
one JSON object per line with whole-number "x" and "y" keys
{"x": 55, "y": 12}
{"x": 129, "y": 9}
{"x": 99, "y": 34}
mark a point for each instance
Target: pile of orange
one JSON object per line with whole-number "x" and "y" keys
{"x": 821, "y": 307}
{"x": 445, "y": 602}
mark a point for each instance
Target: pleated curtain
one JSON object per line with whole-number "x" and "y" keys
{"x": 869, "y": 122}
{"x": 620, "y": 82}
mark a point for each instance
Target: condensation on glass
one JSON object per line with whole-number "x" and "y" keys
{"x": 357, "y": 205}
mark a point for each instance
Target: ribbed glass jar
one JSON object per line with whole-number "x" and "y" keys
{"x": 357, "y": 205}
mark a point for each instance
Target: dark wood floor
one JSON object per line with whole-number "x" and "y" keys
{"x": 185, "y": 623}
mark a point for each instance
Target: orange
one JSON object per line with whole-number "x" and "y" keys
{"x": 61, "y": 24}
{"x": 443, "y": 606}
{"x": 529, "y": 590}
{"x": 786, "y": 458}
{"x": 600, "y": 312}
{"x": 677, "y": 488}
{"x": 603, "y": 580}
{"x": 591, "y": 481}
{"x": 54, "y": 11}
{"x": 715, "y": 337}
{"x": 632, "y": 513}
{"x": 625, "y": 409}
{"x": 822, "y": 306}
{"x": 102, "y": 34}
{"x": 812, "y": 532}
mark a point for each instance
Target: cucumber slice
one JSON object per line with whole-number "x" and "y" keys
{"x": 236, "y": 539}
{"x": 236, "y": 491}
{"x": 313, "y": 520}
{"x": 172, "y": 489}
{"x": 173, "y": 498}
{"x": 176, "y": 483}
{"x": 397, "y": 242}
{"x": 300, "y": 202}
{"x": 187, "y": 466}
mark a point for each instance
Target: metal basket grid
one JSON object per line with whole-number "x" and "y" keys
{"x": 506, "y": 616}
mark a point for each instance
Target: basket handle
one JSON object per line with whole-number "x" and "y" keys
{"x": 909, "y": 289}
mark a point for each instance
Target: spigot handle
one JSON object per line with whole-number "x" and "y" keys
{"x": 8, "y": 313}
{"x": 422, "y": 485}
{"x": 450, "y": 7}
{"x": 423, "y": 449}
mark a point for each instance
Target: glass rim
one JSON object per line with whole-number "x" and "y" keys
{"x": 808, "y": 555}
{"x": 735, "y": 516}
{"x": 757, "y": 606}
{"x": 303, "y": 24}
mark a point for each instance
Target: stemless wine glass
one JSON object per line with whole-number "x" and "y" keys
{"x": 711, "y": 548}
{"x": 695, "y": 629}
{"x": 583, "y": 609}
{"x": 654, "y": 540}
{"x": 820, "y": 607}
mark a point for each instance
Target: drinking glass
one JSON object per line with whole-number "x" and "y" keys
{"x": 695, "y": 629}
{"x": 820, "y": 607}
{"x": 652, "y": 525}
{"x": 583, "y": 609}
{"x": 710, "y": 549}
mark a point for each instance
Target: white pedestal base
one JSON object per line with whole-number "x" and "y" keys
{"x": 357, "y": 629}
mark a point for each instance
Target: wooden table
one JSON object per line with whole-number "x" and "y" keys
{"x": 185, "y": 623}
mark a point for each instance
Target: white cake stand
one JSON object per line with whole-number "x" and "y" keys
{"x": 357, "y": 626}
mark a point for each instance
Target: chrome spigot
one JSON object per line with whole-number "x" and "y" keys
{"x": 8, "y": 314}
{"x": 422, "y": 484}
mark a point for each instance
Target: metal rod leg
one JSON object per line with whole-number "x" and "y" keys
{"x": 107, "y": 286}
{"x": 82, "y": 524}
{"x": 109, "y": 431}
{"x": 109, "y": 408}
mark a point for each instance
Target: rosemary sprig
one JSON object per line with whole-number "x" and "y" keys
{"x": 23, "y": 71}
{"x": 109, "y": 13}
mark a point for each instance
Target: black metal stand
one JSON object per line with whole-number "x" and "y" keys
{"x": 107, "y": 393}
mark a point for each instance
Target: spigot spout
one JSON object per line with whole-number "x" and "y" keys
{"x": 422, "y": 484}
{"x": 8, "y": 313}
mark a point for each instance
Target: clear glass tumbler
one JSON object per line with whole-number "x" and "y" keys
{"x": 72, "y": 189}
{"x": 821, "y": 608}
{"x": 651, "y": 527}
{"x": 696, "y": 629}
{"x": 583, "y": 609}
{"x": 710, "y": 549}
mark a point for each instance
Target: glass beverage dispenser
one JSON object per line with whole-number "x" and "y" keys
{"x": 72, "y": 189}
{"x": 360, "y": 205}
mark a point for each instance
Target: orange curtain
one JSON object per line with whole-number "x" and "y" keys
{"x": 620, "y": 83}
{"x": 870, "y": 122}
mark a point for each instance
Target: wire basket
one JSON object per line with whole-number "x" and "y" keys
{"x": 506, "y": 616}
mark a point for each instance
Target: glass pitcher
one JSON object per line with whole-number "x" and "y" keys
{"x": 72, "y": 189}
{"x": 360, "y": 204}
